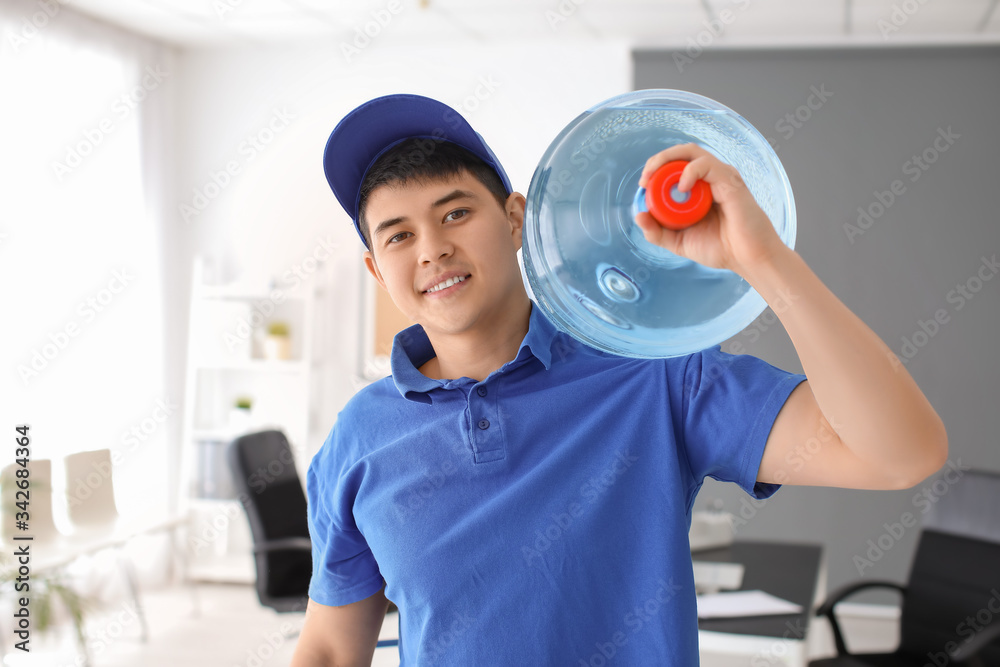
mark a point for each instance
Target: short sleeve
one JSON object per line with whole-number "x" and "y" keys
{"x": 344, "y": 569}
{"x": 730, "y": 403}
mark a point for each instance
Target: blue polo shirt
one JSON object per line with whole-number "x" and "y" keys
{"x": 540, "y": 516}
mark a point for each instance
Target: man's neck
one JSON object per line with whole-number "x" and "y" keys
{"x": 482, "y": 350}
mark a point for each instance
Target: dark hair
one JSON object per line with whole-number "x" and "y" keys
{"x": 424, "y": 159}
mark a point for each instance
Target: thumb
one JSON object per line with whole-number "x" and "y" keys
{"x": 656, "y": 233}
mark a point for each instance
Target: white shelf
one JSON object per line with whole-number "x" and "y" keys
{"x": 229, "y": 569}
{"x": 242, "y": 294}
{"x": 214, "y": 434}
{"x": 217, "y": 373}
{"x": 267, "y": 365}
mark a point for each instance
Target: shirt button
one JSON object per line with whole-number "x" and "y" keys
{"x": 481, "y": 391}
{"x": 484, "y": 424}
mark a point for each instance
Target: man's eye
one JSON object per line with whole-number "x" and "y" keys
{"x": 396, "y": 237}
{"x": 456, "y": 214}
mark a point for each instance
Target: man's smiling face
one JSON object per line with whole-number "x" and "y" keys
{"x": 445, "y": 250}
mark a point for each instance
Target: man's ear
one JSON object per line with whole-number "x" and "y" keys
{"x": 373, "y": 269}
{"x": 515, "y": 216}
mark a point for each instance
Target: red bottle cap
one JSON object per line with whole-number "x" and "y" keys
{"x": 669, "y": 212}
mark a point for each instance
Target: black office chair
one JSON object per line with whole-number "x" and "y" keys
{"x": 264, "y": 474}
{"x": 955, "y": 576}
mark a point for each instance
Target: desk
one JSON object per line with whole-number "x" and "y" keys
{"x": 789, "y": 571}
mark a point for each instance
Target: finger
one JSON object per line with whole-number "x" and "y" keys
{"x": 697, "y": 169}
{"x": 678, "y": 152}
{"x": 721, "y": 177}
{"x": 655, "y": 233}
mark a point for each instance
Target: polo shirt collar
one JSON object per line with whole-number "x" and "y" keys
{"x": 411, "y": 349}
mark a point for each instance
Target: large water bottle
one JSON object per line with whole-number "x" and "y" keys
{"x": 587, "y": 262}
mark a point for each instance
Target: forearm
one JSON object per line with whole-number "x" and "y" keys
{"x": 862, "y": 388}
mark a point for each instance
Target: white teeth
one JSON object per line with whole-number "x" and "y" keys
{"x": 447, "y": 283}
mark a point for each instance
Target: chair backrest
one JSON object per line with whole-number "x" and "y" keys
{"x": 269, "y": 489}
{"x": 90, "y": 493}
{"x": 40, "y": 523}
{"x": 955, "y": 575}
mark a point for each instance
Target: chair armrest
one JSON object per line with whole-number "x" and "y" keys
{"x": 968, "y": 649}
{"x": 826, "y": 609}
{"x": 287, "y": 543}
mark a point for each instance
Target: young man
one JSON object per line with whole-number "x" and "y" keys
{"x": 525, "y": 499}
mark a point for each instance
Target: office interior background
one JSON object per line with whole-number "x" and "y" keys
{"x": 142, "y": 140}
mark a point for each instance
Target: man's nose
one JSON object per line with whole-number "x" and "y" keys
{"x": 435, "y": 245}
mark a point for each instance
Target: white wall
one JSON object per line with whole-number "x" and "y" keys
{"x": 277, "y": 208}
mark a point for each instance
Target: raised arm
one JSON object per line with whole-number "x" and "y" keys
{"x": 860, "y": 420}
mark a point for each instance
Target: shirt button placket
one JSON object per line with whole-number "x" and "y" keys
{"x": 488, "y": 446}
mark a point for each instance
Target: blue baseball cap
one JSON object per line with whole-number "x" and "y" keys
{"x": 364, "y": 134}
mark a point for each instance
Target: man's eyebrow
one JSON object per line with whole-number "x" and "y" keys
{"x": 451, "y": 196}
{"x": 386, "y": 224}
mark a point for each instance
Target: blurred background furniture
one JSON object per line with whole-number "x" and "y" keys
{"x": 268, "y": 486}
{"x": 790, "y": 571}
{"x": 233, "y": 388}
{"x": 951, "y": 603}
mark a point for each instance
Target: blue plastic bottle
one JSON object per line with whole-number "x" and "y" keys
{"x": 587, "y": 262}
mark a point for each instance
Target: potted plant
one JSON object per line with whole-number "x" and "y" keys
{"x": 277, "y": 344}
{"x": 240, "y": 415}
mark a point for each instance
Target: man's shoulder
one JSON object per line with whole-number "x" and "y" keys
{"x": 368, "y": 403}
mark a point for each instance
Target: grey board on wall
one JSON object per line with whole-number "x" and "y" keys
{"x": 847, "y": 123}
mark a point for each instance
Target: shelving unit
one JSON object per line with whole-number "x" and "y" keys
{"x": 225, "y": 362}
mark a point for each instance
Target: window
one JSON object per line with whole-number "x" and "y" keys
{"x": 79, "y": 245}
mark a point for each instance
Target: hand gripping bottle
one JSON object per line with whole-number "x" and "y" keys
{"x": 588, "y": 264}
